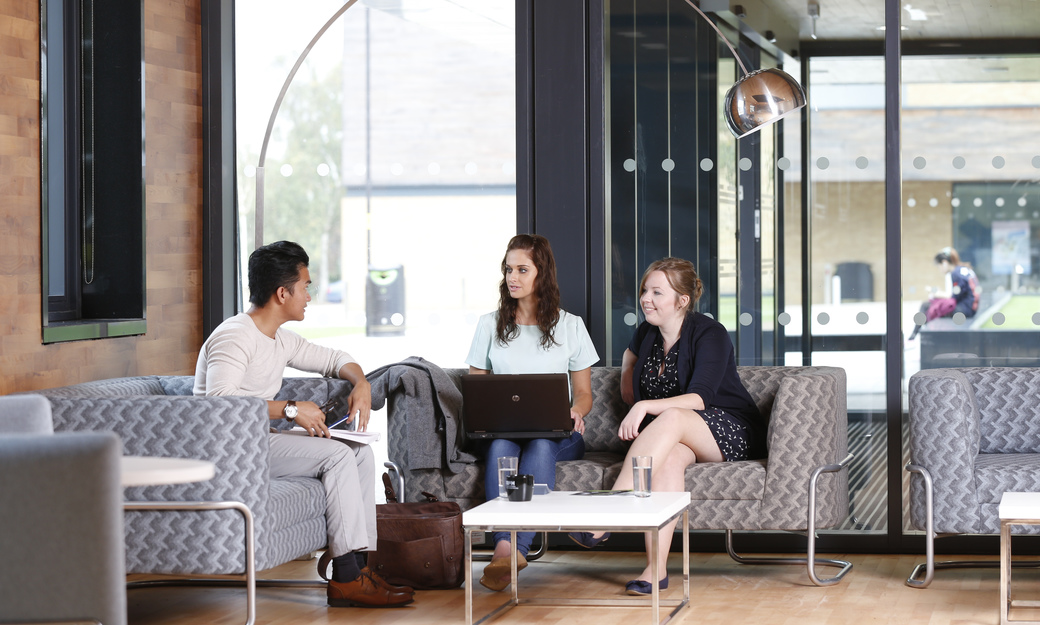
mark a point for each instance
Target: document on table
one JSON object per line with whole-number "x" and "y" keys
{"x": 366, "y": 438}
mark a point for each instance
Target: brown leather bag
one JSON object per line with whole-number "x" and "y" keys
{"x": 419, "y": 544}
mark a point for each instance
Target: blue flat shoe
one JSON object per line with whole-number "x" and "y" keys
{"x": 586, "y": 539}
{"x": 640, "y": 588}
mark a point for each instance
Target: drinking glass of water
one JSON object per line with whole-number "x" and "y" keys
{"x": 507, "y": 465}
{"x": 642, "y": 466}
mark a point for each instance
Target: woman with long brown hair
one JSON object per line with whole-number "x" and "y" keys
{"x": 529, "y": 333}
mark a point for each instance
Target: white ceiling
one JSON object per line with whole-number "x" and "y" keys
{"x": 922, "y": 19}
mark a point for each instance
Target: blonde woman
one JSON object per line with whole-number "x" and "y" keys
{"x": 679, "y": 375}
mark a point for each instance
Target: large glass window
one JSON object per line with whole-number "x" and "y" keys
{"x": 970, "y": 196}
{"x": 680, "y": 184}
{"x": 847, "y": 261}
{"x": 970, "y": 193}
{"x": 660, "y": 163}
{"x": 392, "y": 161}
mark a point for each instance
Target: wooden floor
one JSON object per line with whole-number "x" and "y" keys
{"x": 721, "y": 591}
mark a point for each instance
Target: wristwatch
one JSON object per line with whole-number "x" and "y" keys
{"x": 290, "y": 411}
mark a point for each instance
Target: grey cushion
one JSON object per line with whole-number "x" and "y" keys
{"x": 1008, "y": 404}
{"x": 142, "y": 385}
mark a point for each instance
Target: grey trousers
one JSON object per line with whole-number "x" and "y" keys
{"x": 347, "y": 470}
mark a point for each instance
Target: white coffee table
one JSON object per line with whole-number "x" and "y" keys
{"x": 154, "y": 470}
{"x": 1015, "y": 509}
{"x": 571, "y": 512}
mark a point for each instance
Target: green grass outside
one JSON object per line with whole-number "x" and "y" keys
{"x": 728, "y": 309}
{"x": 1018, "y": 314}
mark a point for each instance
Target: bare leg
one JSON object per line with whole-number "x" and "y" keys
{"x": 669, "y": 478}
{"x": 501, "y": 549}
{"x": 675, "y": 440}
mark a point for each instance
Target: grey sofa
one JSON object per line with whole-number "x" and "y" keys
{"x": 806, "y": 466}
{"x": 974, "y": 434}
{"x": 157, "y": 416}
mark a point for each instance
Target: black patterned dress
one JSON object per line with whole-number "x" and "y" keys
{"x": 657, "y": 382}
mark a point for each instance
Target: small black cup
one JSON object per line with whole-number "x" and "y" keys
{"x": 520, "y": 487}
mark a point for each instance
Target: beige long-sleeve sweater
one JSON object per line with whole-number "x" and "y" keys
{"x": 239, "y": 359}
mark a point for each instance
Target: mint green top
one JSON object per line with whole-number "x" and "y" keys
{"x": 574, "y": 350}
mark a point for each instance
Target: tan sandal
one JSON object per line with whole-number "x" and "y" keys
{"x": 496, "y": 574}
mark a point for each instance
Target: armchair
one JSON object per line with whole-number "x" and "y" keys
{"x": 974, "y": 434}
{"x": 61, "y": 508}
{"x": 157, "y": 416}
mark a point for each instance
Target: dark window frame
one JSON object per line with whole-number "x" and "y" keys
{"x": 92, "y": 178}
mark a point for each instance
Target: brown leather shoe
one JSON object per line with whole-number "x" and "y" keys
{"x": 382, "y": 583}
{"x": 364, "y": 592}
{"x": 323, "y": 569}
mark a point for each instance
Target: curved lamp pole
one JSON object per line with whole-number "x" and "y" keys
{"x": 258, "y": 225}
{"x": 758, "y": 98}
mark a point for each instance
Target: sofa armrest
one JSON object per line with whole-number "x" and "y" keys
{"x": 231, "y": 432}
{"x": 228, "y": 431}
{"x": 944, "y": 439}
{"x": 808, "y": 428}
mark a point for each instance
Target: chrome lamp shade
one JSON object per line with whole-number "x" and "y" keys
{"x": 761, "y": 98}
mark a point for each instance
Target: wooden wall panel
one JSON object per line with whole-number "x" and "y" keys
{"x": 173, "y": 121}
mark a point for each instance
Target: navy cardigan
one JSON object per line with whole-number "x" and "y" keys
{"x": 707, "y": 366}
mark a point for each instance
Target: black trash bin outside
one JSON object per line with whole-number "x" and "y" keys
{"x": 384, "y": 301}
{"x": 857, "y": 282}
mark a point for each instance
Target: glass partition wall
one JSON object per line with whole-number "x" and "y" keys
{"x": 970, "y": 172}
{"x": 846, "y": 210}
{"x": 796, "y": 249}
{"x": 681, "y": 184}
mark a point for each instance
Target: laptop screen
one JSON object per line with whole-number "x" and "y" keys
{"x": 530, "y": 405}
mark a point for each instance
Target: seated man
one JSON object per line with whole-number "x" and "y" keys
{"x": 246, "y": 355}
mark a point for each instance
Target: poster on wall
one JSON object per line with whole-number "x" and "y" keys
{"x": 1011, "y": 247}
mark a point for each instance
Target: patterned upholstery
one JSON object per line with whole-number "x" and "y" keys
{"x": 977, "y": 432}
{"x": 808, "y": 428}
{"x": 289, "y": 513}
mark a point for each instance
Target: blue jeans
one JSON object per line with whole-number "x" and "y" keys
{"x": 538, "y": 457}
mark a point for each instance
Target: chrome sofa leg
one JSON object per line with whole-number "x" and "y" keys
{"x": 810, "y": 561}
{"x": 929, "y": 531}
{"x": 396, "y": 473}
{"x": 929, "y": 566}
{"x": 542, "y": 549}
{"x": 247, "y": 579}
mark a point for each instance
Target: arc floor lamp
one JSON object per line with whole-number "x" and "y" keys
{"x": 759, "y": 98}
{"x": 756, "y": 100}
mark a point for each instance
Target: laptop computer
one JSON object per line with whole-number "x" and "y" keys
{"x": 529, "y": 405}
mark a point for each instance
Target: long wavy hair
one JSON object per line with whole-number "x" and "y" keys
{"x": 546, "y": 290}
{"x": 681, "y": 276}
